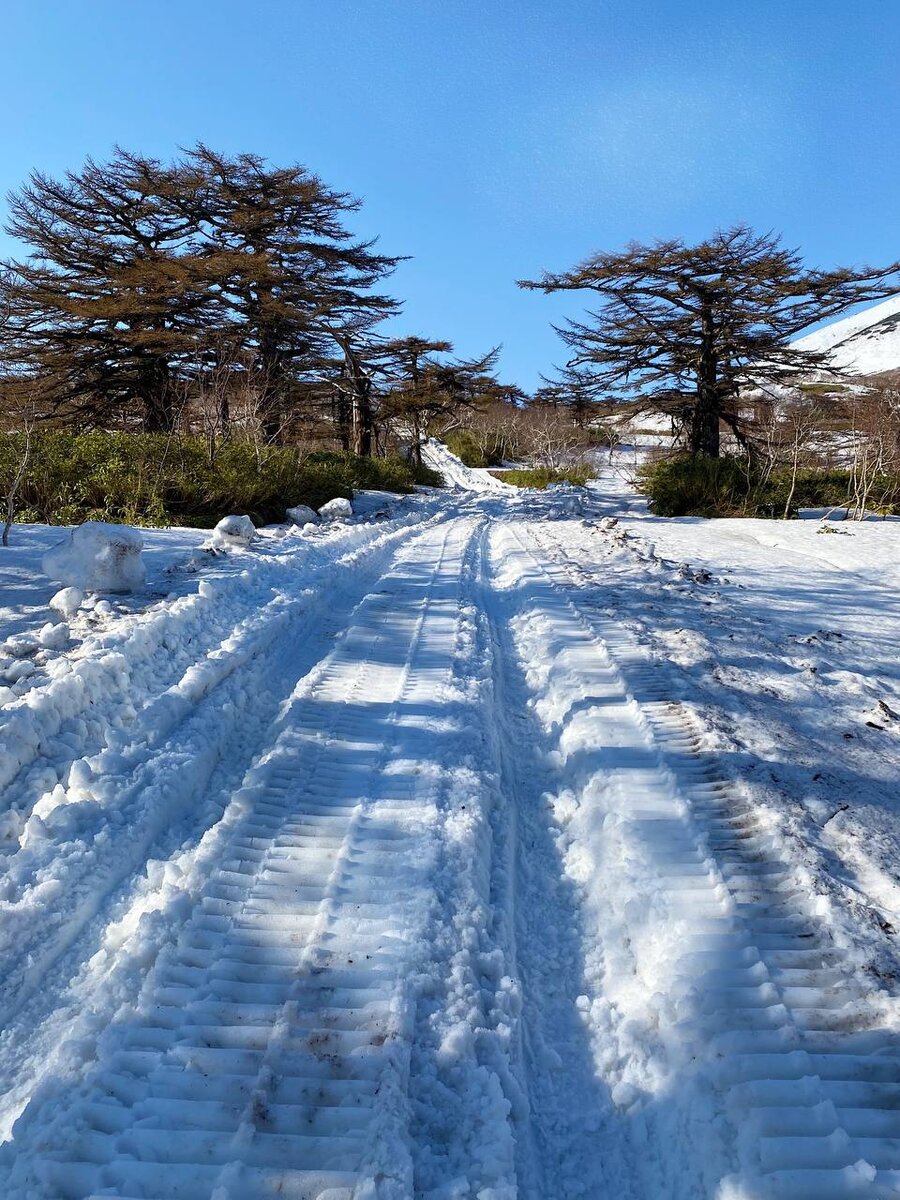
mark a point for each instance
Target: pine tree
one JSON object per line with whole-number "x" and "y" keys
{"x": 690, "y": 327}
{"x": 111, "y": 297}
{"x": 294, "y": 278}
{"x": 426, "y": 389}
{"x": 140, "y": 273}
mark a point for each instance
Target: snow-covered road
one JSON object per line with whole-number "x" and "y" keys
{"x": 405, "y": 861}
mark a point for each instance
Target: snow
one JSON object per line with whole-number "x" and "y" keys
{"x": 484, "y": 843}
{"x": 865, "y": 343}
{"x": 67, "y": 601}
{"x": 457, "y": 475}
{"x": 98, "y": 557}
{"x": 338, "y": 509}
{"x": 233, "y": 532}
{"x": 302, "y": 515}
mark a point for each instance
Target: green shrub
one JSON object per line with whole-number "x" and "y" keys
{"x": 695, "y": 486}
{"x": 825, "y": 489}
{"x": 474, "y": 452}
{"x": 542, "y": 477}
{"x": 152, "y": 479}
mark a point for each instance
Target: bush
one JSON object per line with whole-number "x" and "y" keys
{"x": 542, "y": 477}
{"x": 825, "y": 489}
{"x": 474, "y": 452}
{"x": 694, "y": 486}
{"x": 152, "y": 479}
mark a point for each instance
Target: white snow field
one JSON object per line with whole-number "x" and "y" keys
{"x": 477, "y": 845}
{"x": 865, "y": 344}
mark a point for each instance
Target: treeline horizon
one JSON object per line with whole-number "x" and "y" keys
{"x": 219, "y": 292}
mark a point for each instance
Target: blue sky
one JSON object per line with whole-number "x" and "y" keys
{"x": 491, "y": 138}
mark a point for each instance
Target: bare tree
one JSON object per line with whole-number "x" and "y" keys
{"x": 550, "y": 437}
{"x": 875, "y": 415}
{"x": 799, "y": 425}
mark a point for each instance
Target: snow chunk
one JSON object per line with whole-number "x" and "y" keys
{"x": 302, "y": 514}
{"x": 98, "y": 557}
{"x": 337, "y": 509}
{"x": 67, "y": 602}
{"x": 21, "y": 645}
{"x": 233, "y": 531}
{"x": 52, "y": 636}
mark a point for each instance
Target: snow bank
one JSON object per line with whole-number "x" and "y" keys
{"x": 233, "y": 532}
{"x": 98, "y": 557}
{"x": 338, "y": 509}
{"x": 457, "y": 475}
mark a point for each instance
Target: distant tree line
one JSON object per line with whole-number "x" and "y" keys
{"x": 219, "y": 293}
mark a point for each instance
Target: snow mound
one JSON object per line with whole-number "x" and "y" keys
{"x": 457, "y": 475}
{"x": 302, "y": 514}
{"x": 337, "y": 509}
{"x": 98, "y": 557}
{"x": 233, "y": 531}
{"x": 52, "y": 636}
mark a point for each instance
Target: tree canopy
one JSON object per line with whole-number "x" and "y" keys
{"x": 141, "y": 273}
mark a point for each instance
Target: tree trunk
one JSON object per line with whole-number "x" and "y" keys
{"x": 705, "y": 415}
{"x": 341, "y": 415}
{"x": 224, "y": 411}
{"x": 362, "y": 423}
{"x": 156, "y": 397}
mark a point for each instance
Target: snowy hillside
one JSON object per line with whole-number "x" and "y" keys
{"x": 866, "y": 343}
{"x": 488, "y": 844}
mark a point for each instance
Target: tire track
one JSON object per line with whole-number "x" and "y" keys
{"x": 270, "y": 1052}
{"x": 740, "y": 1002}
{"x": 120, "y": 802}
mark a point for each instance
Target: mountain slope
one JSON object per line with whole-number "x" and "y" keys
{"x": 866, "y": 343}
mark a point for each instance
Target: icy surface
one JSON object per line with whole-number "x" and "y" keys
{"x": 486, "y": 844}
{"x": 98, "y": 557}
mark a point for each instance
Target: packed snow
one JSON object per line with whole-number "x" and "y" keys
{"x": 481, "y": 843}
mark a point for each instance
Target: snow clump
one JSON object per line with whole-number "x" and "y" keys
{"x": 233, "y": 532}
{"x": 98, "y": 557}
{"x": 337, "y": 509}
{"x": 302, "y": 514}
{"x": 67, "y": 602}
{"x": 54, "y": 637}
